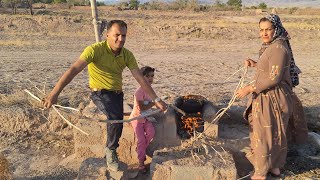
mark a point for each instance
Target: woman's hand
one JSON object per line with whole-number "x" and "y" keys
{"x": 250, "y": 63}
{"x": 241, "y": 93}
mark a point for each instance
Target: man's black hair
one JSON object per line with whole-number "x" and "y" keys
{"x": 119, "y": 22}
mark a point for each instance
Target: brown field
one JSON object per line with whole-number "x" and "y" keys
{"x": 193, "y": 52}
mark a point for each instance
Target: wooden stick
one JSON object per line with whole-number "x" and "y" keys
{"x": 54, "y": 107}
{"x": 132, "y": 119}
{"x": 64, "y": 107}
{"x": 36, "y": 87}
{"x": 177, "y": 109}
{"x": 35, "y": 97}
{"x": 219, "y": 155}
{"x": 68, "y": 122}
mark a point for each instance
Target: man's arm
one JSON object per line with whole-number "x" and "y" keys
{"x": 147, "y": 88}
{"x": 66, "y": 78}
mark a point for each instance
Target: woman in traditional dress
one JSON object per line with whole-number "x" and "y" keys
{"x": 271, "y": 104}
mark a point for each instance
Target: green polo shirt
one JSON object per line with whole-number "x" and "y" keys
{"x": 105, "y": 70}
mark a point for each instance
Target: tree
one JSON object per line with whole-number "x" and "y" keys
{"x": 11, "y": 3}
{"x": 59, "y": 1}
{"x": 30, "y": 2}
{"x": 134, "y": 4}
{"x": 235, "y": 3}
{"x": 262, "y": 5}
{"x": 219, "y": 4}
{"x": 194, "y": 5}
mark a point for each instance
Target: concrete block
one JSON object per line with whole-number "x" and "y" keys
{"x": 166, "y": 132}
{"x": 177, "y": 163}
{"x": 211, "y": 130}
{"x": 209, "y": 111}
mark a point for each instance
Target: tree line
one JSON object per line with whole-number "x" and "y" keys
{"x": 135, "y": 4}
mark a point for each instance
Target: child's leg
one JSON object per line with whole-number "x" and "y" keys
{"x": 150, "y": 132}
{"x": 141, "y": 140}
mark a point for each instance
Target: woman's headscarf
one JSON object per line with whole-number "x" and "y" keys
{"x": 282, "y": 34}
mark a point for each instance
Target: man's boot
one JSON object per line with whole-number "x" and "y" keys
{"x": 112, "y": 159}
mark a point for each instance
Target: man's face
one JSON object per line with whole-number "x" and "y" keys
{"x": 266, "y": 31}
{"x": 116, "y": 37}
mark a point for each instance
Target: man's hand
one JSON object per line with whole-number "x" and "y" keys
{"x": 66, "y": 78}
{"x": 48, "y": 101}
{"x": 162, "y": 105}
{"x": 250, "y": 63}
{"x": 241, "y": 93}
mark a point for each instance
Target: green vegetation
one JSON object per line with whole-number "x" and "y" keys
{"x": 237, "y": 4}
{"x": 134, "y": 4}
{"x": 262, "y": 6}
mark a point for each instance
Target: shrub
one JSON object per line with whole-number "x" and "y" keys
{"x": 262, "y": 5}
{"x": 134, "y": 4}
{"x": 235, "y": 3}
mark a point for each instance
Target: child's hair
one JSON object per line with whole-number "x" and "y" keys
{"x": 146, "y": 70}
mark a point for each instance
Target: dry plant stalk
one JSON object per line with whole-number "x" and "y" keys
{"x": 201, "y": 138}
{"x": 222, "y": 111}
{"x": 54, "y": 107}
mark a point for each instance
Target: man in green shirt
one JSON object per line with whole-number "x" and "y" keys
{"x": 106, "y": 61}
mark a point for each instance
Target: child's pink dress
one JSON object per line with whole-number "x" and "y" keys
{"x": 143, "y": 129}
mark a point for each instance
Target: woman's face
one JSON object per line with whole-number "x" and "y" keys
{"x": 266, "y": 31}
{"x": 149, "y": 77}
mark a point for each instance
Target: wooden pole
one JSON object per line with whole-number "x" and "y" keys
{"x": 95, "y": 19}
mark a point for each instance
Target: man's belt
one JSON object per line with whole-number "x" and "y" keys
{"x": 106, "y": 90}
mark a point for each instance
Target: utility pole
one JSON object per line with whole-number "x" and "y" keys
{"x": 95, "y": 20}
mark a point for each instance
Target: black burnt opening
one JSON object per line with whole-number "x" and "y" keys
{"x": 193, "y": 121}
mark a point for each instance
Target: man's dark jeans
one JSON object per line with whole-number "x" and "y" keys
{"x": 111, "y": 104}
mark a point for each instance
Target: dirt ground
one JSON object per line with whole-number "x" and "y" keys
{"x": 193, "y": 53}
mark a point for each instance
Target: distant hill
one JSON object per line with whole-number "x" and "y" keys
{"x": 270, "y": 3}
